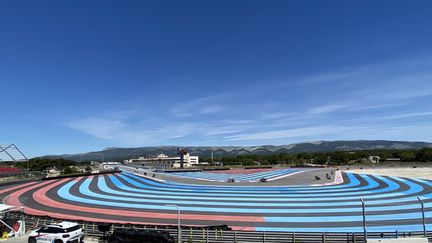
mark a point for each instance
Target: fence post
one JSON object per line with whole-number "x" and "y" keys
{"x": 364, "y": 219}
{"x": 207, "y": 236}
{"x": 235, "y": 236}
{"x": 264, "y": 237}
{"x": 423, "y": 216}
{"x": 190, "y": 234}
{"x": 294, "y": 237}
{"x": 323, "y": 237}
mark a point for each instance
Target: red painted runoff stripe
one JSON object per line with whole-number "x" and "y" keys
{"x": 13, "y": 198}
{"x": 33, "y": 211}
{"x": 41, "y": 197}
{"x": 243, "y": 228}
{"x": 16, "y": 187}
{"x": 113, "y": 221}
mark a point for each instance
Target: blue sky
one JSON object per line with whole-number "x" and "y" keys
{"x": 78, "y": 76}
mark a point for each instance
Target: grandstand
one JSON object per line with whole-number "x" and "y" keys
{"x": 11, "y": 152}
{"x": 9, "y": 169}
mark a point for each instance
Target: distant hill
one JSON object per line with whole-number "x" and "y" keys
{"x": 120, "y": 154}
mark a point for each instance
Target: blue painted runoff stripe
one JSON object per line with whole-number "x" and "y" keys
{"x": 64, "y": 193}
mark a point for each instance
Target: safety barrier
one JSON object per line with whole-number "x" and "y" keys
{"x": 204, "y": 235}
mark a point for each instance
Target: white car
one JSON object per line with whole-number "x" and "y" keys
{"x": 64, "y": 232}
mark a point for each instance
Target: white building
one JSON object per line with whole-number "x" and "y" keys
{"x": 165, "y": 162}
{"x": 109, "y": 165}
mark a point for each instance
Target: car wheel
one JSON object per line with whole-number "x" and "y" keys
{"x": 31, "y": 240}
{"x": 58, "y": 241}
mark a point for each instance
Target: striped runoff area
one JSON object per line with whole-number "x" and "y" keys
{"x": 251, "y": 177}
{"x": 391, "y": 203}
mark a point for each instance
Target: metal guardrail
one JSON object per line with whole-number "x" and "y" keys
{"x": 204, "y": 235}
{"x": 7, "y": 178}
{"x": 23, "y": 174}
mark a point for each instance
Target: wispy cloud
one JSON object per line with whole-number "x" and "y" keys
{"x": 99, "y": 128}
{"x": 326, "y": 109}
{"x": 286, "y": 134}
{"x": 210, "y": 109}
{"x": 349, "y": 104}
{"x": 201, "y": 105}
{"x": 277, "y": 115}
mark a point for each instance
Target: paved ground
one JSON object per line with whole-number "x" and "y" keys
{"x": 15, "y": 240}
{"x": 302, "y": 177}
{"x": 287, "y": 205}
{"x": 419, "y": 172}
{"x": 23, "y": 239}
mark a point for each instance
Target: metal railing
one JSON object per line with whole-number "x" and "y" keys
{"x": 8, "y": 177}
{"x": 205, "y": 235}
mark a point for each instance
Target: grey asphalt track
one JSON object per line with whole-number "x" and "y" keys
{"x": 289, "y": 204}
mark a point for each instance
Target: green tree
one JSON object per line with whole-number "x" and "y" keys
{"x": 69, "y": 170}
{"x": 408, "y": 156}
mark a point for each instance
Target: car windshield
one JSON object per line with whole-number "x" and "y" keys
{"x": 74, "y": 228}
{"x": 51, "y": 230}
{"x": 56, "y": 230}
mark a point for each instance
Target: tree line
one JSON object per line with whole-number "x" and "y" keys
{"x": 334, "y": 158}
{"x": 41, "y": 164}
{"x": 322, "y": 158}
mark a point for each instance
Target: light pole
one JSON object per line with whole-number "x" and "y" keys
{"x": 178, "y": 221}
{"x": 364, "y": 218}
{"x": 423, "y": 216}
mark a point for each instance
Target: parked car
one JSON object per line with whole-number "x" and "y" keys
{"x": 64, "y": 232}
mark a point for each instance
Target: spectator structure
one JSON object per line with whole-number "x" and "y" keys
{"x": 11, "y": 153}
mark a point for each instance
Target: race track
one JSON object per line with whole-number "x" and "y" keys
{"x": 240, "y": 175}
{"x": 391, "y": 203}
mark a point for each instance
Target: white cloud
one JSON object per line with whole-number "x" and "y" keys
{"x": 99, "y": 128}
{"x": 261, "y": 114}
{"x": 210, "y": 109}
{"x": 129, "y": 133}
{"x": 404, "y": 115}
{"x": 277, "y": 115}
{"x": 286, "y": 133}
{"x": 326, "y": 109}
{"x": 201, "y": 105}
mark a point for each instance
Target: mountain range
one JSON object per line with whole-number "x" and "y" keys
{"x": 120, "y": 154}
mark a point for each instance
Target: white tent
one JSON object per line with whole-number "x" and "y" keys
{"x": 15, "y": 232}
{"x": 5, "y": 207}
